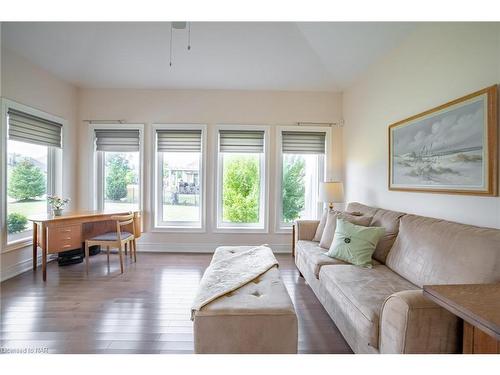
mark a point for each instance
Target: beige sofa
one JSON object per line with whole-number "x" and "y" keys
{"x": 383, "y": 310}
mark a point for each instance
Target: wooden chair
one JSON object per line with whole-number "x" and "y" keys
{"x": 118, "y": 239}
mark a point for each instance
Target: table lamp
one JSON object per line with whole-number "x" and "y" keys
{"x": 331, "y": 192}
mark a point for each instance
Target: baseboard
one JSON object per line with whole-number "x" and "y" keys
{"x": 162, "y": 247}
{"x": 20, "y": 267}
{"x": 27, "y": 264}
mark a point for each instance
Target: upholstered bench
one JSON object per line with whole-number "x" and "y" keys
{"x": 259, "y": 317}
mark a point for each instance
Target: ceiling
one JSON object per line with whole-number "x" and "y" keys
{"x": 310, "y": 56}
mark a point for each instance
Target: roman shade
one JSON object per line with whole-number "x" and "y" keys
{"x": 24, "y": 127}
{"x": 247, "y": 141}
{"x": 188, "y": 140}
{"x": 117, "y": 140}
{"x": 296, "y": 142}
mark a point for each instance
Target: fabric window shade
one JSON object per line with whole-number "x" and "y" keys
{"x": 295, "y": 142}
{"x": 117, "y": 140}
{"x": 245, "y": 141}
{"x": 24, "y": 127}
{"x": 178, "y": 140}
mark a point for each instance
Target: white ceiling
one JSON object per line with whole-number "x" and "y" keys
{"x": 319, "y": 56}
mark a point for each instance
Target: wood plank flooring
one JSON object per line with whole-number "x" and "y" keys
{"x": 145, "y": 310}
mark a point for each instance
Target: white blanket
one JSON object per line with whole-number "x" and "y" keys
{"x": 228, "y": 274}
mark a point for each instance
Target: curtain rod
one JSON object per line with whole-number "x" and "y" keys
{"x": 337, "y": 124}
{"x": 105, "y": 121}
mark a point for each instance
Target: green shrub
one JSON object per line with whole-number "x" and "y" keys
{"x": 16, "y": 222}
{"x": 293, "y": 189}
{"x": 241, "y": 189}
{"x": 117, "y": 178}
{"x": 27, "y": 181}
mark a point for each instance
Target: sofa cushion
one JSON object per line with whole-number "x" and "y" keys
{"x": 314, "y": 256}
{"x": 321, "y": 226}
{"x": 433, "y": 251}
{"x": 355, "y": 244}
{"x": 361, "y": 293}
{"x": 390, "y": 221}
{"x": 331, "y": 225}
{"x": 354, "y": 207}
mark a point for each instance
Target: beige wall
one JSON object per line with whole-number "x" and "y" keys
{"x": 437, "y": 63}
{"x": 209, "y": 107}
{"x": 27, "y": 84}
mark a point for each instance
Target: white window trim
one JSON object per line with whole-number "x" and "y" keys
{"x": 178, "y": 227}
{"x": 54, "y": 168}
{"x": 264, "y": 188}
{"x": 96, "y": 165}
{"x": 279, "y": 226}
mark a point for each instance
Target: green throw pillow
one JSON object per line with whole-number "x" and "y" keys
{"x": 355, "y": 244}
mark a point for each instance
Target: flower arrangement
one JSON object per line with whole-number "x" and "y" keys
{"x": 57, "y": 203}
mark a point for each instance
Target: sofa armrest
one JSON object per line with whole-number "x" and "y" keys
{"x": 411, "y": 323}
{"x": 306, "y": 229}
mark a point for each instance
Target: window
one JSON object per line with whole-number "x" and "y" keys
{"x": 302, "y": 169}
{"x": 179, "y": 177}
{"x": 33, "y": 143}
{"x": 118, "y": 167}
{"x": 241, "y": 189}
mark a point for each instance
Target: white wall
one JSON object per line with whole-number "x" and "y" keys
{"x": 209, "y": 107}
{"x": 26, "y": 83}
{"x": 437, "y": 63}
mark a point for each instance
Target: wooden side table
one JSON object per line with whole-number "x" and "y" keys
{"x": 479, "y": 307}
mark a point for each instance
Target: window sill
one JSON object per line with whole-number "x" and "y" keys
{"x": 247, "y": 230}
{"x": 20, "y": 244}
{"x": 283, "y": 230}
{"x": 160, "y": 229}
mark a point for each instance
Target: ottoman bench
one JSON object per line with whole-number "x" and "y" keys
{"x": 259, "y": 317}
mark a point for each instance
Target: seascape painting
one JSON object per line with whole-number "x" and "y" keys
{"x": 443, "y": 150}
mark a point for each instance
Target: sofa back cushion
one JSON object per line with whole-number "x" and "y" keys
{"x": 390, "y": 221}
{"x": 355, "y": 207}
{"x": 380, "y": 218}
{"x": 433, "y": 251}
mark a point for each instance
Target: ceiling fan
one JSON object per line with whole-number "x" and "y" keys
{"x": 179, "y": 26}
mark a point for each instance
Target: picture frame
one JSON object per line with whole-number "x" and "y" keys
{"x": 449, "y": 149}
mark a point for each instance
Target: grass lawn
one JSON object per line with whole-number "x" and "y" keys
{"x": 27, "y": 208}
{"x": 170, "y": 212}
{"x": 180, "y": 213}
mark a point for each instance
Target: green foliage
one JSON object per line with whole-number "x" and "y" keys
{"x": 119, "y": 175}
{"x": 27, "y": 181}
{"x": 241, "y": 189}
{"x": 16, "y": 222}
{"x": 293, "y": 188}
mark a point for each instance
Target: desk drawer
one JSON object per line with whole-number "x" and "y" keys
{"x": 64, "y": 238}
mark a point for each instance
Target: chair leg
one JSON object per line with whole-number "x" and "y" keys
{"x": 107, "y": 252}
{"x": 125, "y": 248}
{"x": 131, "y": 246}
{"x": 135, "y": 250}
{"x": 121, "y": 257}
{"x": 87, "y": 256}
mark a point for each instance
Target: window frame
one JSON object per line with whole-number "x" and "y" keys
{"x": 96, "y": 165}
{"x": 54, "y": 169}
{"x": 221, "y": 227}
{"x": 156, "y": 187}
{"x": 281, "y": 227}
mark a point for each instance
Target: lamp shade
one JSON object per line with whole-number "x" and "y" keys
{"x": 331, "y": 192}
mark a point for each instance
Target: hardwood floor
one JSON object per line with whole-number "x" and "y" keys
{"x": 145, "y": 310}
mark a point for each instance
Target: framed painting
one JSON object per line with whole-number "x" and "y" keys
{"x": 450, "y": 149}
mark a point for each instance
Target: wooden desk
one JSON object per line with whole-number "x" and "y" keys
{"x": 479, "y": 307}
{"x": 55, "y": 234}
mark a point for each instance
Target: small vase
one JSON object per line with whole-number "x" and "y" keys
{"x": 57, "y": 211}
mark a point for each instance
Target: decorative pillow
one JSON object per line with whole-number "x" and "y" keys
{"x": 321, "y": 226}
{"x": 355, "y": 244}
{"x": 331, "y": 223}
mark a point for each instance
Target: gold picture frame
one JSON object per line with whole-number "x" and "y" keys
{"x": 450, "y": 149}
